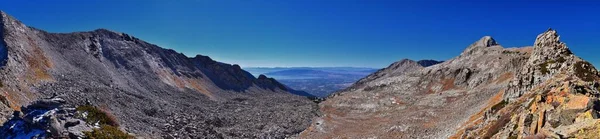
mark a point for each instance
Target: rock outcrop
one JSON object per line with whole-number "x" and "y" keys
{"x": 555, "y": 95}
{"x": 549, "y": 57}
{"x": 143, "y": 85}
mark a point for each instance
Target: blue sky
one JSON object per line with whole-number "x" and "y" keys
{"x": 367, "y": 33}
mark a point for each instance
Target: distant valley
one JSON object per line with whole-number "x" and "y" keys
{"x": 318, "y": 81}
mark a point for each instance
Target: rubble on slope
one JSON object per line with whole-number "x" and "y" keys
{"x": 555, "y": 96}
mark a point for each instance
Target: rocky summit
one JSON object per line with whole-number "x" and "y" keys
{"x": 488, "y": 91}
{"x": 133, "y": 88}
{"x": 554, "y": 95}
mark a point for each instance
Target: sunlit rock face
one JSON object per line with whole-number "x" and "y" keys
{"x": 408, "y": 100}
{"x": 549, "y": 57}
{"x": 555, "y": 95}
{"x": 544, "y": 91}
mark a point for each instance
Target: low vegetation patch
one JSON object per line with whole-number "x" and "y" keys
{"x": 4, "y": 100}
{"x": 95, "y": 115}
{"x": 544, "y": 66}
{"x": 499, "y": 106}
{"x": 371, "y": 88}
{"x": 109, "y": 127}
{"x": 561, "y": 60}
{"x": 510, "y": 52}
{"x": 584, "y": 71}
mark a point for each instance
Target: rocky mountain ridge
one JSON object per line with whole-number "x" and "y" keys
{"x": 395, "y": 69}
{"x": 486, "y": 92}
{"x": 153, "y": 92}
{"x": 555, "y": 95}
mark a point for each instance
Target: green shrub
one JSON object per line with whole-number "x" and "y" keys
{"x": 561, "y": 60}
{"x": 544, "y": 68}
{"x": 499, "y": 106}
{"x": 97, "y": 115}
{"x": 109, "y": 127}
{"x": 584, "y": 71}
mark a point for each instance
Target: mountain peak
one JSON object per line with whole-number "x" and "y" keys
{"x": 10, "y": 23}
{"x": 3, "y": 13}
{"x": 485, "y": 41}
{"x": 549, "y": 39}
{"x": 406, "y": 61}
{"x": 2, "y": 16}
{"x": 548, "y": 46}
{"x": 481, "y": 44}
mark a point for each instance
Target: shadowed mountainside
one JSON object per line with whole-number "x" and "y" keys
{"x": 152, "y": 91}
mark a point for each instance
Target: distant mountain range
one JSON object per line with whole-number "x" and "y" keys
{"x": 320, "y": 81}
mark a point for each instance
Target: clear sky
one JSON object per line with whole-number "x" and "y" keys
{"x": 366, "y": 33}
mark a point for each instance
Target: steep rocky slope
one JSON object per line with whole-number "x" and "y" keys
{"x": 554, "y": 95}
{"x": 153, "y": 92}
{"x": 407, "y": 100}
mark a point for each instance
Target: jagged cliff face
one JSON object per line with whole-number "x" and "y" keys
{"x": 550, "y": 56}
{"x": 555, "y": 95}
{"x": 152, "y": 91}
{"x": 407, "y": 100}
